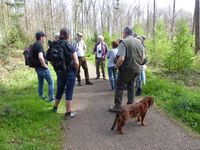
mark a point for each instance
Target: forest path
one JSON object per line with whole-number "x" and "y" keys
{"x": 90, "y": 129}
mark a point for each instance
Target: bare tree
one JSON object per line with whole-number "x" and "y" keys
{"x": 26, "y": 16}
{"x": 94, "y": 13}
{"x": 173, "y": 19}
{"x": 154, "y": 19}
{"x": 197, "y": 40}
{"x": 51, "y": 14}
{"x": 102, "y": 8}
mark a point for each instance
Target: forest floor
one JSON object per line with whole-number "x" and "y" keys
{"x": 90, "y": 129}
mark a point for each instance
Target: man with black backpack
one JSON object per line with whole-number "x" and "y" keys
{"x": 41, "y": 67}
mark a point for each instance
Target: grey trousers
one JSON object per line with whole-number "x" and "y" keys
{"x": 128, "y": 78}
{"x": 100, "y": 62}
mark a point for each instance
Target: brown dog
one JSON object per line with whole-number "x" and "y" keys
{"x": 138, "y": 110}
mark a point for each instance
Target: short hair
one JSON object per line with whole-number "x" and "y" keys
{"x": 64, "y": 34}
{"x": 39, "y": 34}
{"x": 128, "y": 31}
{"x": 115, "y": 44}
{"x": 101, "y": 37}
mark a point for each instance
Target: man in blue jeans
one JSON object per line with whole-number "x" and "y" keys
{"x": 41, "y": 67}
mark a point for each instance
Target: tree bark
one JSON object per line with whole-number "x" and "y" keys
{"x": 51, "y": 14}
{"x": 154, "y": 20}
{"x": 173, "y": 19}
{"x": 197, "y": 46}
{"x": 26, "y": 16}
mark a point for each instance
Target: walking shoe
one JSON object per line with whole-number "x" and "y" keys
{"x": 104, "y": 78}
{"x": 88, "y": 83}
{"x": 55, "y": 109}
{"x": 115, "y": 109}
{"x": 96, "y": 78}
{"x": 51, "y": 100}
{"x": 128, "y": 103}
{"x": 43, "y": 97}
{"x": 70, "y": 114}
{"x": 79, "y": 84}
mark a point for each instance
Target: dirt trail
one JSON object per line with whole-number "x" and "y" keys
{"x": 90, "y": 129}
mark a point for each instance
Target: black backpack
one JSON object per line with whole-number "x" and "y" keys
{"x": 56, "y": 54}
{"x": 28, "y": 56}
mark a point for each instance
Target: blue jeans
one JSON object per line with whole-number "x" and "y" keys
{"x": 45, "y": 74}
{"x": 141, "y": 79}
{"x": 65, "y": 81}
{"x": 112, "y": 76}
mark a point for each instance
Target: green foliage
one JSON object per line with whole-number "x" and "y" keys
{"x": 158, "y": 51}
{"x": 26, "y": 122}
{"x": 196, "y": 63}
{"x": 14, "y": 39}
{"x": 138, "y": 29}
{"x": 107, "y": 38}
{"x": 180, "y": 57}
{"x": 175, "y": 99}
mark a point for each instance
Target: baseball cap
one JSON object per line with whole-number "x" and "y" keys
{"x": 79, "y": 34}
{"x": 39, "y": 34}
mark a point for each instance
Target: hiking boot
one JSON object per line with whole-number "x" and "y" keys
{"x": 128, "y": 103}
{"x": 70, "y": 114}
{"x": 88, "y": 83}
{"x": 115, "y": 108}
{"x": 55, "y": 109}
{"x": 43, "y": 97}
{"x": 51, "y": 100}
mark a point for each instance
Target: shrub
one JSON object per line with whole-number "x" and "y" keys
{"x": 13, "y": 40}
{"x": 180, "y": 57}
{"x": 138, "y": 29}
{"x": 158, "y": 52}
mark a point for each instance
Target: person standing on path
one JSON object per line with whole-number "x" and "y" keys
{"x": 81, "y": 47}
{"x": 66, "y": 78}
{"x": 100, "y": 52}
{"x": 142, "y": 77}
{"x": 41, "y": 67}
{"x": 130, "y": 54}
{"x": 112, "y": 71}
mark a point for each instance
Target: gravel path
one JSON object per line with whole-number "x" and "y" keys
{"x": 90, "y": 129}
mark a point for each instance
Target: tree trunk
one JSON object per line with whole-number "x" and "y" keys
{"x": 197, "y": 46}
{"x": 154, "y": 20}
{"x": 148, "y": 21}
{"x": 51, "y": 15}
{"x": 173, "y": 20}
{"x": 26, "y": 16}
{"x": 82, "y": 17}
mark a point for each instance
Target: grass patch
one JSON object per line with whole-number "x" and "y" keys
{"x": 176, "y": 99}
{"x": 27, "y": 122}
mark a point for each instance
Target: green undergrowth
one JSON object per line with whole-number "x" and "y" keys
{"x": 176, "y": 99}
{"x": 27, "y": 122}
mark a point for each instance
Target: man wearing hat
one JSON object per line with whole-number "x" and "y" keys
{"x": 41, "y": 67}
{"x": 80, "y": 46}
{"x": 129, "y": 68}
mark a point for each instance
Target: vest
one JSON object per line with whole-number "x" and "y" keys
{"x": 134, "y": 52}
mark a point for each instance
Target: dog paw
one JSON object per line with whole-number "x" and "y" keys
{"x": 143, "y": 124}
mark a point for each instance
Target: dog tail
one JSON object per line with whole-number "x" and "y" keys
{"x": 115, "y": 121}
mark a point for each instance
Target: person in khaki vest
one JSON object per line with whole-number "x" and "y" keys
{"x": 130, "y": 53}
